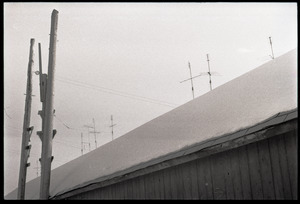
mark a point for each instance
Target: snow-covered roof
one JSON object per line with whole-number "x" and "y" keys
{"x": 257, "y": 96}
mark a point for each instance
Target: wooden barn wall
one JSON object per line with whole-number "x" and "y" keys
{"x": 262, "y": 170}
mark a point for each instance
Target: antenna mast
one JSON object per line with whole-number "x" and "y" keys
{"x": 112, "y": 127}
{"x": 271, "y": 48}
{"x": 81, "y": 144}
{"x": 88, "y": 127}
{"x": 191, "y": 78}
{"x": 209, "y": 74}
{"x": 95, "y": 133}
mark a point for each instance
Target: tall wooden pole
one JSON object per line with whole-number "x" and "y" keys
{"x": 25, "y": 148}
{"x": 49, "y": 110}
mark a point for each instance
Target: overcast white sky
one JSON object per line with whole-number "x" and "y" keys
{"x": 126, "y": 60}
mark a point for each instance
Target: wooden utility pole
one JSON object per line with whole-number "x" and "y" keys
{"x": 48, "y": 132}
{"x": 25, "y": 148}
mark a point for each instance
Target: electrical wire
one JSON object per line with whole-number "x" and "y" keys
{"x": 64, "y": 124}
{"x": 114, "y": 92}
{"x": 61, "y": 142}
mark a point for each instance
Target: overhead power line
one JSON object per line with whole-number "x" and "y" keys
{"x": 64, "y": 124}
{"x": 115, "y": 92}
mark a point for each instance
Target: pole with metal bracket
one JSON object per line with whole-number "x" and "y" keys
{"x": 25, "y": 148}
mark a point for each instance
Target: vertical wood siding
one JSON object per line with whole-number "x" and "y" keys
{"x": 262, "y": 170}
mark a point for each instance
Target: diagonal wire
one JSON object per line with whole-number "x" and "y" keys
{"x": 115, "y": 92}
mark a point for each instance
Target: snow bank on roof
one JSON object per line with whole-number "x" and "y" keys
{"x": 240, "y": 103}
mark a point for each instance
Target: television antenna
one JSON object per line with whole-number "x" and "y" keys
{"x": 191, "y": 78}
{"x": 209, "y": 73}
{"x": 112, "y": 126}
{"x": 272, "y": 56}
{"x": 88, "y": 127}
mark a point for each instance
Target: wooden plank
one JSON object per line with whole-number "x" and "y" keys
{"x": 149, "y": 186}
{"x": 160, "y": 176}
{"x": 266, "y": 170}
{"x": 207, "y": 164}
{"x": 236, "y": 174}
{"x": 135, "y": 188}
{"x": 121, "y": 190}
{"x": 98, "y": 194}
{"x": 103, "y": 194}
{"x": 124, "y": 189}
{"x": 173, "y": 192}
{"x": 179, "y": 181}
{"x": 113, "y": 191}
{"x": 129, "y": 188}
{"x": 275, "y": 163}
{"x": 107, "y": 193}
{"x": 152, "y": 185}
{"x": 110, "y": 192}
{"x": 255, "y": 171}
{"x": 117, "y": 191}
{"x": 139, "y": 188}
{"x": 173, "y": 183}
{"x": 284, "y": 168}
{"x": 245, "y": 174}
{"x": 155, "y": 185}
{"x": 202, "y": 184}
{"x": 167, "y": 183}
{"x": 90, "y": 195}
{"x": 194, "y": 180}
{"x": 142, "y": 187}
{"x": 219, "y": 187}
{"x": 291, "y": 150}
{"x": 160, "y": 184}
{"x": 187, "y": 180}
{"x": 228, "y": 175}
